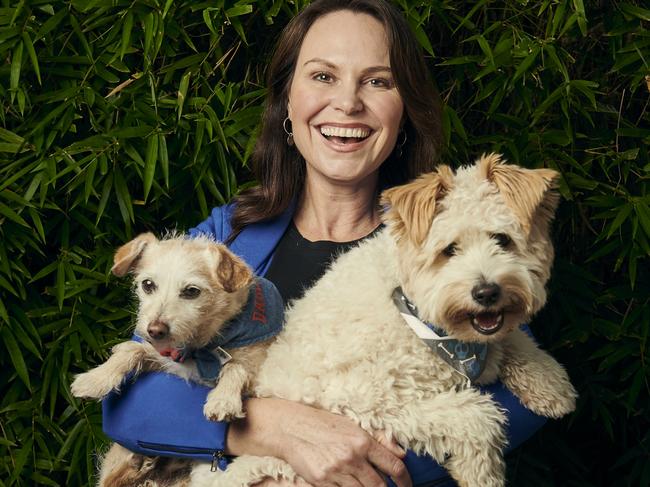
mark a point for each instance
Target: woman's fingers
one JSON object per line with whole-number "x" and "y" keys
{"x": 323, "y": 448}
{"x": 389, "y": 443}
{"x": 389, "y": 463}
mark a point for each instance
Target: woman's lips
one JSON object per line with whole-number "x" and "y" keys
{"x": 347, "y": 138}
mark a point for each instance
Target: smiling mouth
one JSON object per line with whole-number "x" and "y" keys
{"x": 487, "y": 322}
{"x": 344, "y": 135}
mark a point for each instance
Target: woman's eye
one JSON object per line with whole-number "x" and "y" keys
{"x": 502, "y": 239}
{"x": 450, "y": 250}
{"x": 148, "y": 286}
{"x": 380, "y": 82}
{"x": 324, "y": 77}
{"x": 190, "y": 292}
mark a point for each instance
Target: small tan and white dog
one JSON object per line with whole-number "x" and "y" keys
{"x": 469, "y": 252}
{"x": 191, "y": 293}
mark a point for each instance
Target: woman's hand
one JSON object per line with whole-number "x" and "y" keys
{"x": 323, "y": 448}
{"x": 282, "y": 483}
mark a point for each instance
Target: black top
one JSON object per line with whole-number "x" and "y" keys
{"x": 298, "y": 263}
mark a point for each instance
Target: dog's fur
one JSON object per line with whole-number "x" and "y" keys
{"x": 346, "y": 349}
{"x": 187, "y": 289}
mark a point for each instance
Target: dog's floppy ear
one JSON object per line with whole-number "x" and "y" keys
{"x": 530, "y": 193}
{"x": 232, "y": 272}
{"x": 410, "y": 208}
{"x": 128, "y": 254}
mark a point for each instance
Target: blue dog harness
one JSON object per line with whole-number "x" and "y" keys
{"x": 261, "y": 319}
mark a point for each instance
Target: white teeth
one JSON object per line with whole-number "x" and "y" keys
{"x": 358, "y": 133}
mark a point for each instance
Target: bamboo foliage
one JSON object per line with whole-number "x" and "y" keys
{"x": 119, "y": 117}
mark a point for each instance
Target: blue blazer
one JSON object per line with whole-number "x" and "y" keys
{"x": 161, "y": 414}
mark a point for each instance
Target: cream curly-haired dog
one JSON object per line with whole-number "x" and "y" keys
{"x": 469, "y": 252}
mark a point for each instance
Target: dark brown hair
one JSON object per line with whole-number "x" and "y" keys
{"x": 280, "y": 169}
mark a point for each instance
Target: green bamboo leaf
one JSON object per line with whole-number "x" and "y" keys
{"x": 621, "y": 217}
{"x": 16, "y": 63}
{"x": 460, "y": 60}
{"x": 12, "y": 215}
{"x": 11, "y": 137}
{"x": 526, "y": 63}
{"x": 643, "y": 212}
{"x": 579, "y": 7}
{"x": 11, "y": 148}
{"x": 80, "y": 35}
{"x": 38, "y": 224}
{"x": 50, "y": 24}
{"x": 70, "y": 440}
{"x": 634, "y": 11}
{"x": 20, "y": 458}
{"x": 26, "y": 341}
{"x": 164, "y": 158}
{"x": 16, "y": 355}
{"x": 27, "y": 41}
{"x": 424, "y": 41}
{"x": 239, "y": 10}
{"x": 168, "y": 5}
{"x": 131, "y": 132}
{"x": 7, "y": 285}
{"x": 3, "y": 312}
{"x": 127, "y": 26}
{"x": 45, "y": 271}
{"x": 89, "y": 180}
{"x": 552, "y": 54}
{"x": 485, "y": 47}
{"x": 182, "y": 93}
{"x": 207, "y": 18}
{"x": 59, "y": 287}
{"x": 150, "y": 164}
{"x": 43, "y": 480}
{"x": 123, "y": 196}
{"x": 106, "y": 192}
{"x": 149, "y": 32}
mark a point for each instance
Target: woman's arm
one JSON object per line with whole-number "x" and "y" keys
{"x": 161, "y": 414}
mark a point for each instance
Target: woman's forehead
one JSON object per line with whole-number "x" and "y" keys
{"x": 345, "y": 37}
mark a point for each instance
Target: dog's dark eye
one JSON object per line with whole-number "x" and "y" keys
{"x": 190, "y": 292}
{"x": 450, "y": 250}
{"x": 148, "y": 286}
{"x": 502, "y": 239}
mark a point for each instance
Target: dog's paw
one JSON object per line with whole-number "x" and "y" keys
{"x": 89, "y": 385}
{"x": 224, "y": 408}
{"x": 552, "y": 399}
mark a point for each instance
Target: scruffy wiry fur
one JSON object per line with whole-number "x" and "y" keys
{"x": 345, "y": 347}
{"x": 187, "y": 290}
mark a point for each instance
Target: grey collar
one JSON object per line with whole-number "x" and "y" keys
{"x": 467, "y": 358}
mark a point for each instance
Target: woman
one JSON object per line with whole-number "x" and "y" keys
{"x": 349, "y": 111}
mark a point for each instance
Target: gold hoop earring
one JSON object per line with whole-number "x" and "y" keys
{"x": 288, "y": 132}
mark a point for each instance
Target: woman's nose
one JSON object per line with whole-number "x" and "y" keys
{"x": 347, "y": 98}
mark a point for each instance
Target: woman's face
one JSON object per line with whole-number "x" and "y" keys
{"x": 344, "y": 106}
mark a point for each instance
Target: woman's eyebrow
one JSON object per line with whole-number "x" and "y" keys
{"x": 329, "y": 64}
{"x": 377, "y": 69}
{"x": 318, "y": 60}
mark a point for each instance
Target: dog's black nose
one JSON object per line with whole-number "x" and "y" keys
{"x": 486, "y": 294}
{"x": 158, "y": 330}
